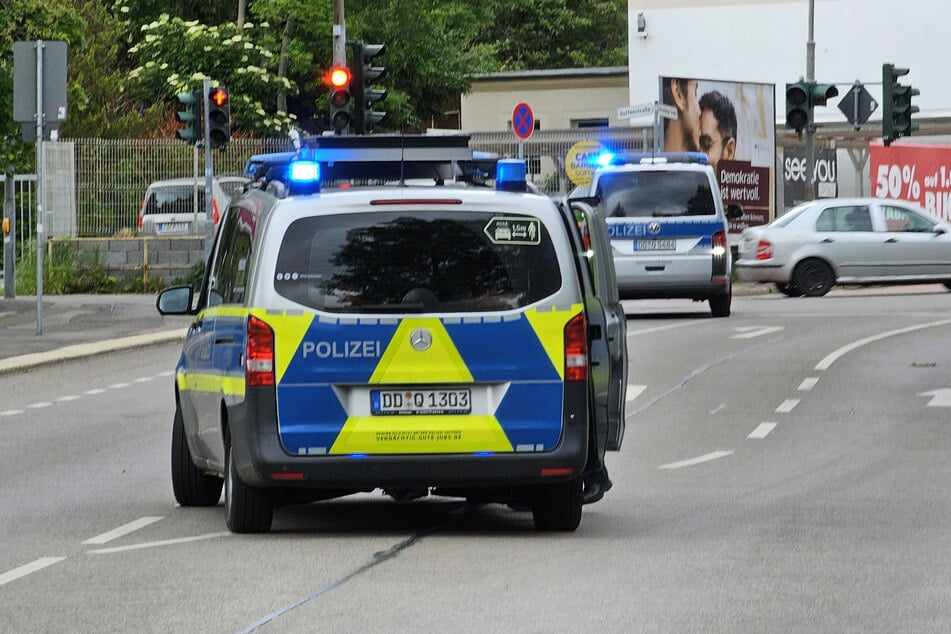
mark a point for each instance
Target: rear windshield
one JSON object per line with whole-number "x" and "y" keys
{"x": 420, "y": 261}
{"x": 656, "y": 194}
{"x": 175, "y": 199}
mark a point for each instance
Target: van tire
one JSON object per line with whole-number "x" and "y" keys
{"x": 247, "y": 509}
{"x": 557, "y": 507}
{"x": 191, "y": 486}
{"x": 720, "y": 305}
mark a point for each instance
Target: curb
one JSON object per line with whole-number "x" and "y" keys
{"x": 82, "y": 350}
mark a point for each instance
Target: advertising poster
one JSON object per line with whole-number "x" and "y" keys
{"x": 733, "y": 123}
{"x": 918, "y": 173}
{"x": 826, "y": 171}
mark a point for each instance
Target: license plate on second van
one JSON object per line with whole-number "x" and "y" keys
{"x": 655, "y": 245}
{"x": 420, "y": 402}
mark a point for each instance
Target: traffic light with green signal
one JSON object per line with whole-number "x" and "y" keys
{"x": 189, "y": 113}
{"x": 897, "y": 108}
{"x": 365, "y": 93}
{"x": 219, "y": 117}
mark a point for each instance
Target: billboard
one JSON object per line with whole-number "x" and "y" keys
{"x": 733, "y": 123}
{"x": 825, "y": 170}
{"x": 919, "y": 173}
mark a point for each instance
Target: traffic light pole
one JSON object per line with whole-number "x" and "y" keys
{"x": 209, "y": 170}
{"x": 810, "y": 192}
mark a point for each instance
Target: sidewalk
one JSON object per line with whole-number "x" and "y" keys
{"x": 75, "y": 326}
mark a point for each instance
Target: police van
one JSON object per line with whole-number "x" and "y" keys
{"x": 668, "y": 226}
{"x": 463, "y": 341}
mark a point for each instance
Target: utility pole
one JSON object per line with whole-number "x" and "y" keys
{"x": 339, "y": 35}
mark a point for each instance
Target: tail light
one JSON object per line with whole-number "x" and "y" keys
{"x": 764, "y": 250}
{"x": 214, "y": 211}
{"x": 576, "y": 349}
{"x": 721, "y": 251}
{"x": 259, "y": 366}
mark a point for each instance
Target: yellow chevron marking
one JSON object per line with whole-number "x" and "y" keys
{"x": 401, "y": 363}
{"x": 421, "y": 434}
{"x": 549, "y": 327}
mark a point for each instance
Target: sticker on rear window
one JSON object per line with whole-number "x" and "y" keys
{"x": 503, "y": 230}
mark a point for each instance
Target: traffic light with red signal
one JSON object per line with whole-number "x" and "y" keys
{"x": 339, "y": 79}
{"x": 219, "y": 117}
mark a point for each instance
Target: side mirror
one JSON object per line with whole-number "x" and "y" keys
{"x": 176, "y": 300}
{"x": 734, "y": 211}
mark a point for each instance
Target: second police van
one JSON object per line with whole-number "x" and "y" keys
{"x": 668, "y": 226}
{"x": 445, "y": 340}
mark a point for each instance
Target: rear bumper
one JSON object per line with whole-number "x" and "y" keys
{"x": 752, "y": 271}
{"x": 262, "y": 462}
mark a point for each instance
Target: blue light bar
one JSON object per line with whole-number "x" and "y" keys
{"x": 305, "y": 171}
{"x": 510, "y": 175}
{"x": 604, "y": 158}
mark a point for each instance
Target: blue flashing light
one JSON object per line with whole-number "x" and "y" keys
{"x": 510, "y": 175}
{"x": 305, "y": 172}
{"x": 604, "y": 158}
{"x": 483, "y": 454}
{"x": 357, "y": 456}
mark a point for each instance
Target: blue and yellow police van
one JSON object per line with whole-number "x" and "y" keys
{"x": 354, "y": 333}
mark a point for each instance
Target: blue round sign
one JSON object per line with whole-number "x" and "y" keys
{"x": 523, "y": 121}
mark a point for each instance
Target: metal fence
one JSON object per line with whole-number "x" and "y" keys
{"x": 111, "y": 176}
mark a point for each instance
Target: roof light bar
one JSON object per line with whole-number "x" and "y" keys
{"x": 510, "y": 175}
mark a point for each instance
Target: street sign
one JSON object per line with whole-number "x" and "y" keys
{"x": 52, "y": 62}
{"x": 631, "y": 112}
{"x": 523, "y": 121}
{"x": 857, "y": 104}
{"x": 647, "y": 109}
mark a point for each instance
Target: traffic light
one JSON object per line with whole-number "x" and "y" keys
{"x": 801, "y": 98}
{"x": 339, "y": 80}
{"x": 219, "y": 117}
{"x": 189, "y": 114}
{"x": 896, "y": 104}
{"x": 365, "y": 75}
{"x": 797, "y": 106}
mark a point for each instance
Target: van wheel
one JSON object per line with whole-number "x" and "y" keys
{"x": 789, "y": 290}
{"x": 813, "y": 277}
{"x": 720, "y": 305}
{"x": 557, "y": 507}
{"x": 191, "y": 486}
{"x": 247, "y": 509}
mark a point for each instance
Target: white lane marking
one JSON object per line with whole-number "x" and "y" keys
{"x": 144, "y": 379}
{"x": 748, "y": 332}
{"x": 834, "y": 356}
{"x": 808, "y": 383}
{"x": 118, "y": 386}
{"x": 166, "y": 373}
{"x": 940, "y": 398}
{"x": 787, "y": 406}
{"x": 67, "y": 398}
{"x": 39, "y": 405}
{"x": 12, "y": 412}
{"x": 762, "y": 431}
{"x": 698, "y": 460}
{"x": 33, "y": 566}
{"x": 718, "y": 408}
{"x": 633, "y": 391}
{"x": 123, "y": 530}
{"x": 95, "y": 391}
{"x": 167, "y": 542}
{"x": 647, "y": 331}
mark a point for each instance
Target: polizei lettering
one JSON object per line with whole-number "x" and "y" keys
{"x": 367, "y": 349}
{"x": 626, "y": 230}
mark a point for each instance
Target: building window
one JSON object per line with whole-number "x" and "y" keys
{"x": 589, "y": 123}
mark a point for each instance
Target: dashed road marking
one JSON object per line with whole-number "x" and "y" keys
{"x": 762, "y": 431}
{"x": 808, "y": 383}
{"x": 33, "y": 566}
{"x": 787, "y": 406}
{"x": 123, "y": 530}
{"x": 715, "y": 455}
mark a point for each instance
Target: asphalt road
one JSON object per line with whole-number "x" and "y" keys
{"x": 784, "y": 469}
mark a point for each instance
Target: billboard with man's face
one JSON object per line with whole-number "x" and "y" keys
{"x": 733, "y": 123}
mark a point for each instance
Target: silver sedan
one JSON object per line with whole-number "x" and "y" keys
{"x": 846, "y": 241}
